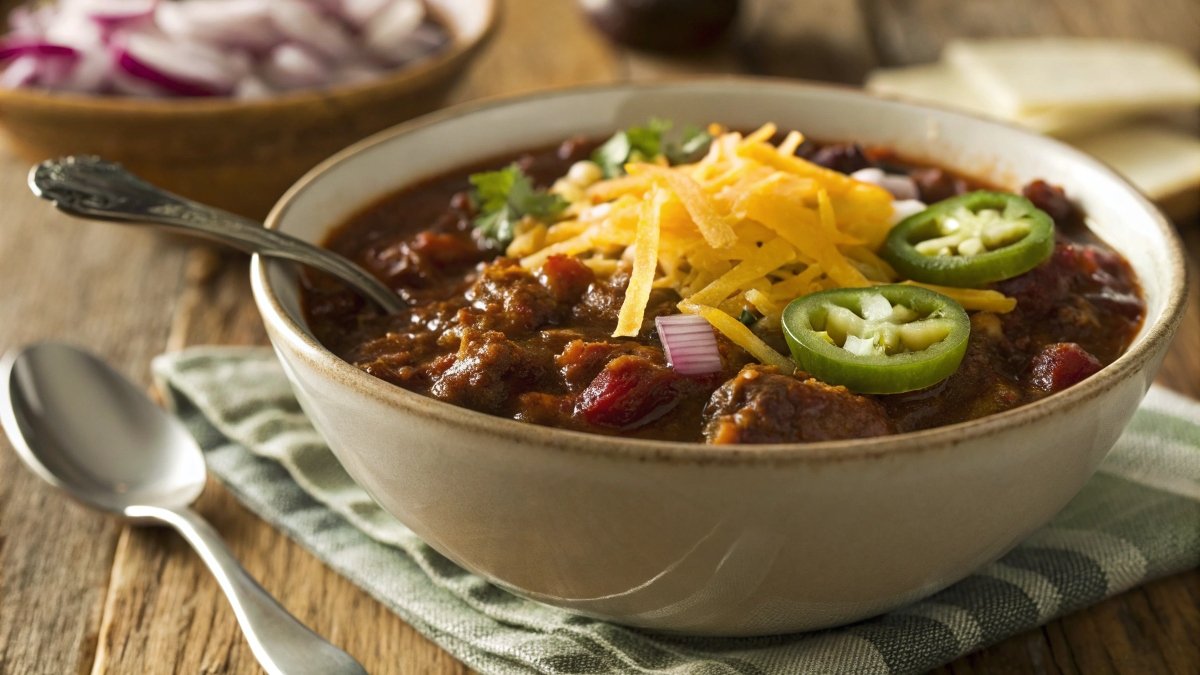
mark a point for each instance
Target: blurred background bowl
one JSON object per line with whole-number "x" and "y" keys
{"x": 241, "y": 155}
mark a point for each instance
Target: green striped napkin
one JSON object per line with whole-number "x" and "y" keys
{"x": 1138, "y": 518}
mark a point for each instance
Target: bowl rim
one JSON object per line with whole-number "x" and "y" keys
{"x": 458, "y": 48}
{"x": 306, "y": 347}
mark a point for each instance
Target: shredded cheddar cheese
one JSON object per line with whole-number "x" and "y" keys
{"x": 748, "y": 226}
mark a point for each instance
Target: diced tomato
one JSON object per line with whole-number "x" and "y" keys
{"x": 630, "y": 392}
{"x": 566, "y": 277}
{"x": 1061, "y": 365}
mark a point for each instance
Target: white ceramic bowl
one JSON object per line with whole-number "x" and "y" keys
{"x": 717, "y": 540}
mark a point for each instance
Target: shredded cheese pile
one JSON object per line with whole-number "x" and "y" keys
{"x": 750, "y": 225}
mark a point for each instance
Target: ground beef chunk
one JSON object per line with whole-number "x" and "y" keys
{"x": 509, "y": 299}
{"x": 566, "y": 278}
{"x": 488, "y": 372}
{"x": 397, "y": 357}
{"x": 580, "y": 361}
{"x": 548, "y": 410}
{"x": 1061, "y": 365}
{"x": 979, "y": 387}
{"x": 602, "y": 302}
{"x": 761, "y": 405}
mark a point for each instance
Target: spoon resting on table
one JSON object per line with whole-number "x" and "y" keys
{"x": 85, "y": 429}
{"x": 90, "y": 187}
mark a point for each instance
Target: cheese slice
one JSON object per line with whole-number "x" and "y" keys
{"x": 1160, "y": 160}
{"x": 942, "y": 84}
{"x": 1031, "y": 76}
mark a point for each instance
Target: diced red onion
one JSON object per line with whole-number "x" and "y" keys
{"x": 901, "y": 186}
{"x": 690, "y": 344}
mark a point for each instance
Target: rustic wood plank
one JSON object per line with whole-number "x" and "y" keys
{"x": 107, "y": 288}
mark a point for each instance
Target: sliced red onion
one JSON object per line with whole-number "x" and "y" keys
{"x": 114, "y": 13}
{"x": 252, "y": 87}
{"x": 244, "y": 48}
{"x": 179, "y": 68}
{"x": 423, "y": 41}
{"x": 690, "y": 344}
{"x": 289, "y": 66}
{"x": 20, "y": 72}
{"x": 36, "y": 49}
{"x": 234, "y": 23}
{"x": 901, "y": 186}
{"x": 360, "y": 12}
{"x": 29, "y": 22}
{"x": 387, "y": 32}
{"x": 903, "y": 208}
{"x": 300, "y": 22}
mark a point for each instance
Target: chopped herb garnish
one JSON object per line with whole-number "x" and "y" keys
{"x": 648, "y": 143}
{"x": 691, "y": 147}
{"x": 747, "y": 317}
{"x": 506, "y": 196}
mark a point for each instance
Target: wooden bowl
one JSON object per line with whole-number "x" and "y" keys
{"x": 241, "y": 155}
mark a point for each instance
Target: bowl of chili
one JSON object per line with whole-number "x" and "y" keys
{"x": 618, "y": 512}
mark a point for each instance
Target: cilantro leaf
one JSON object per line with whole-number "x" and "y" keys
{"x": 691, "y": 147}
{"x": 647, "y": 143}
{"x": 612, "y": 155}
{"x": 506, "y": 196}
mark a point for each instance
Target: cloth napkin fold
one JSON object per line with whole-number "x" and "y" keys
{"x": 1137, "y": 519}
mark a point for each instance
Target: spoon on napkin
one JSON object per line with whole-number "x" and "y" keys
{"x": 90, "y": 187}
{"x": 82, "y": 427}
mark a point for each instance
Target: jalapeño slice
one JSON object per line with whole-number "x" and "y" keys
{"x": 971, "y": 240}
{"x": 877, "y": 340}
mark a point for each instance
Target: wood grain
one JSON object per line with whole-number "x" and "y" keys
{"x": 142, "y": 603}
{"x": 110, "y": 288}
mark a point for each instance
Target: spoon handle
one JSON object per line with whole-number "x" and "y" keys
{"x": 282, "y": 645}
{"x": 90, "y": 187}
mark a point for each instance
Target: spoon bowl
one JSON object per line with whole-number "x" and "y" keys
{"x": 125, "y": 452}
{"x": 87, "y": 430}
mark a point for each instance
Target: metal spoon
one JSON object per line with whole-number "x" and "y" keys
{"x": 90, "y": 187}
{"x": 87, "y": 430}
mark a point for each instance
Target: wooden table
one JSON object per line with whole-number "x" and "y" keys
{"x": 81, "y": 593}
